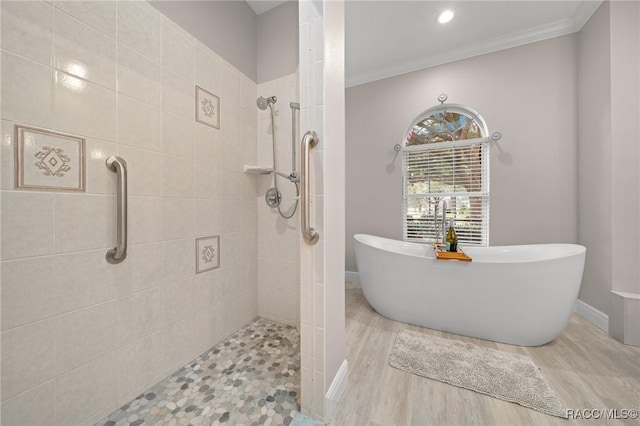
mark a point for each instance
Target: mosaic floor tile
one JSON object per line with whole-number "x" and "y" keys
{"x": 250, "y": 378}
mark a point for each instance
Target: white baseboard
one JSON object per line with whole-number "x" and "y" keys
{"x": 334, "y": 394}
{"x": 351, "y": 276}
{"x": 591, "y": 314}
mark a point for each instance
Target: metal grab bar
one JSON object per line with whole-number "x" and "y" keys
{"x": 309, "y": 140}
{"x": 119, "y": 252}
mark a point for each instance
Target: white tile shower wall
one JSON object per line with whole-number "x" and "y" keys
{"x": 312, "y": 326}
{"x": 80, "y": 336}
{"x": 322, "y": 301}
{"x": 278, "y": 238}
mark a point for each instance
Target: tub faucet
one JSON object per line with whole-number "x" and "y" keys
{"x": 444, "y": 200}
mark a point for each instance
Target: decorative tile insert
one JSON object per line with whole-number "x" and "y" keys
{"x": 250, "y": 378}
{"x": 207, "y": 108}
{"x": 48, "y": 160}
{"x": 207, "y": 253}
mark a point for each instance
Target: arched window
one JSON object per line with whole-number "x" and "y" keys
{"x": 446, "y": 158}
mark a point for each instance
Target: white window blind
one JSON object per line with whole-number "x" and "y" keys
{"x": 457, "y": 171}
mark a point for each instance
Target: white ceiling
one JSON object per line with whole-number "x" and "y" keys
{"x": 387, "y": 38}
{"x": 261, "y": 6}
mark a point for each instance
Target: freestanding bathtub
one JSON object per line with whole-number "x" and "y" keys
{"x": 522, "y": 295}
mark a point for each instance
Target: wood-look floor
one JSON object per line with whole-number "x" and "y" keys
{"x": 585, "y": 366}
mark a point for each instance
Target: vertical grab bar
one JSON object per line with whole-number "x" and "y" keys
{"x": 309, "y": 140}
{"x": 119, "y": 252}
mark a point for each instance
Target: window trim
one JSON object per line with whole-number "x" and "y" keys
{"x": 455, "y": 108}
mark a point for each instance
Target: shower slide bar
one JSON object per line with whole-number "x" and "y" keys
{"x": 294, "y": 106}
{"x": 119, "y": 252}
{"x": 309, "y": 140}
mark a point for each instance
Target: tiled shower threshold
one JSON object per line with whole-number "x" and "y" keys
{"x": 250, "y": 378}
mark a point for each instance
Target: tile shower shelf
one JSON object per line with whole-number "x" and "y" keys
{"x": 257, "y": 170}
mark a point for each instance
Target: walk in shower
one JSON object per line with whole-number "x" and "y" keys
{"x": 277, "y": 200}
{"x": 165, "y": 329}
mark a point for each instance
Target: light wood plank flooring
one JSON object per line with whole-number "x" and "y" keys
{"x": 585, "y": 366}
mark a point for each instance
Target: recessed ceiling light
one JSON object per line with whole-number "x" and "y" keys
{"x": 445, "y": 16}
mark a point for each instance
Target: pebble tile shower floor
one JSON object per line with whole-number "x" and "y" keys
{"x": 250, "y": 378}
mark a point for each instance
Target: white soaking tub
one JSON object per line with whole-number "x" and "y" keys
{"x": 522, "y": 295}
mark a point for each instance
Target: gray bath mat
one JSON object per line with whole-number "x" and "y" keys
{"x": 504, "y": 375}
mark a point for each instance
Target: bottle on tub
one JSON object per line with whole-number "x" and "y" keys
{"x": 452, "y": 238}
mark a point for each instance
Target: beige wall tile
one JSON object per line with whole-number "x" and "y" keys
{"x": 178, "y": 177}
{"x": 207, "y": 69}
{"x": 232, "y": 216}
{"x": 139, "y": 362}
{"x": 82, "y": 392}
{"x": 139, "y": 28}
{"x": 178, "y": 259}
{"x": 208, "y": 179}
{"x": 83, "y": 279}
{"x": 28, "y": 292}
{"x": 26, "y": 91}
{"x": 34, "y": 407}
{"x": 177, "y": 49}
{"x": 99, "y": 182}
{"x": 139, "y": 315}
{"x": 145, "y": 224}
{"x": 206, "y": 329}
{"x": 82, "y": 51}
{"x": 27, "y": 224}
{"x": 178, "y": 218}
{"x": 27, "y": 356}
{"x": 85, "y": 334}
{"x": 139, "y": 124}
{"x": 7, "y": 133}
{"x": 208, "y": 289}
{"x": 231, "y": 151}
{"x": 26, "y": 30}
{"x": 178, "y": 94}
{"x": 101, "y": 414}
{"x": 177, "y": 135}
{"x": 229, "y": 83}
{"x": 145, "y": 171}
{"x": 250, "y": 213}
{"x": 227, "y": 317}
{"x": 139, "y": 76}
{"x": 83, "y": 107}
{"x": 207, "y": 144}
{"x": 84, "y": 222}
{"x": 230, "y": 184}
{"x": 178, "y": 300}
{"x": 100, "y": 15}
{"x": 208, "y": 218}
{"x": 179, "y": 342}
{"x": 141, "y": 270}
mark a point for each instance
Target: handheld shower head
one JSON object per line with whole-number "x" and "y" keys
{"x": 263, "y": 103}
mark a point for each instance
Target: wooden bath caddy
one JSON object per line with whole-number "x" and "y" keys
{"x": 443, "y": 254}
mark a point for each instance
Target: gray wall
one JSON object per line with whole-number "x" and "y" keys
{"x": 594, "y": 157}
{"x": 625, "y": 148}
{"x": 278, "y": 42}
{"x": 528, "y": 93}
{"x": 227, "y": 27}
{"x": 609, "y": 157}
